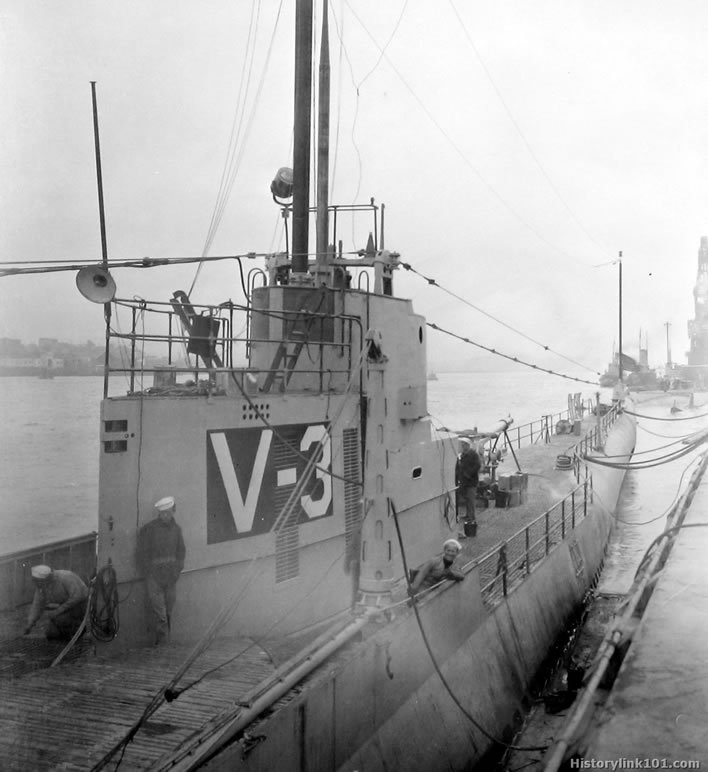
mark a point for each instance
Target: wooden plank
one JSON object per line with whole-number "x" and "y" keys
{"x": 72, "y": 714}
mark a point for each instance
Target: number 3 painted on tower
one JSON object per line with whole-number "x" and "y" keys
{"x": 318, "y": 507}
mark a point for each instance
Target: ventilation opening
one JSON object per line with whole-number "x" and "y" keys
{"x": 115, "y": 446}
{"x": 287, "y": 554}
{"x": 115, "y": 426}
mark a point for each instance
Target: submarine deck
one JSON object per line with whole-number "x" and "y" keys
{"x": 72, "y": 715}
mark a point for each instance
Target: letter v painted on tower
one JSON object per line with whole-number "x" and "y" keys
{"x": 244, "y": 511}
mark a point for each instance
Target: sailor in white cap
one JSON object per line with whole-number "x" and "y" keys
{"x": 63, "y": 595}
{"x": 439, "y": 568}
{"x": 161, "y": 554}
{"x": 467, "y": 471}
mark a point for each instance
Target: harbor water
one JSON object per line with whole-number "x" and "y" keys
{"x": 49, "y": 442}
{"x": 648, "y": 494}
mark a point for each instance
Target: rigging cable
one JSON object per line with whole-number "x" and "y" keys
{"x": 650, "y": 464}
{"x": 687, "y": 439}
{"x": 674, "y": 501}
{"x": 237, "y": 123}
{"x": 666, "y": 511}
{"x": 175, "y": 693}
{"x": 669, "y": 531}
{"x": 658, "y": 418}
{"x": 508, "y": 356}
{"x": 159, "y": 697}
{"x": 446, "y": 685}
{"x": 357, "y": 151}
{"x": 54, "y": 266}
{"x": 234, "y": 162}
{"x": 382, "y": 54}
{"x": 340, "y": 71}
{"x": 169, "y": 693}
{"x": 545, "y": 347}
{"x": 516, "y": 126}
{"x": 461, "y": 153}
{"x": 658, "y": 434}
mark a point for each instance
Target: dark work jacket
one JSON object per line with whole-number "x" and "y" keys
{"x": 161, "y": 548}
{"x": 468, "y": 467}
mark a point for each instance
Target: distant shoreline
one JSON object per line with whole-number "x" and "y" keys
{"x": 35, "y": 372}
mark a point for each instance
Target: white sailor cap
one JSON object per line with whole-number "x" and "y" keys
{"x": 453, "y": 543}
{"x": 163, "y": 504}
{"x": 41, "y": 572}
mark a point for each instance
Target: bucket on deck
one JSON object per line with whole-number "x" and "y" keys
{"x": 501, "y": 499}
{"x": 470, "y": 528}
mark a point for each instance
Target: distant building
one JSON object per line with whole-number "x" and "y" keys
{"x": 47, "y": 356}
{"x": 698, "y": 326}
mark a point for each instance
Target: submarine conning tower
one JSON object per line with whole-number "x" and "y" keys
{"x": 401, "y": 452}
{"x": 292, "y": 450}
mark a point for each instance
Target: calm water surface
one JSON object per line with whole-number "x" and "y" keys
{"x": 648, "y": 494}
{"x": 49, "y": 444}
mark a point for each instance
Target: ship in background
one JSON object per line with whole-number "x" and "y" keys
{"x": 697, "y": 369}
{"x": 640, "y": 376}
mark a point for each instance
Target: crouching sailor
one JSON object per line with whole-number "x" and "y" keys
{"x": 63, "y": 595}
{"x": 439, "y": 568}
{"x": 161, "y": 555}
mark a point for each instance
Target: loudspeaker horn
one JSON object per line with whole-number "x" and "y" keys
{"x": 96, "y": 284}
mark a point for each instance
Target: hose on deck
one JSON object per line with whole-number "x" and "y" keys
{"x": 104, "y": 620}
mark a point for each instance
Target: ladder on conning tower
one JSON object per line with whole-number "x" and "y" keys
{"x": 285, "y": 359}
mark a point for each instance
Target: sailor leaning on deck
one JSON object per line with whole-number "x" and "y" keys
{"x": 438, "y": 568}
{"x": 64, "y": 595}
{"x": 161, "y": 554}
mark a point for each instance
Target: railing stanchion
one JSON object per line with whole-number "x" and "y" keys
{"x": 585, "y": 500}
{"x": 572, "y": 499}
{"x": 502, "y": 568}
{"x": 563, "y": 519}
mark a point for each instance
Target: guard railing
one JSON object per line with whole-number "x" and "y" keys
{"x": 509, "y": 563}
{"x": 16, "y": 588}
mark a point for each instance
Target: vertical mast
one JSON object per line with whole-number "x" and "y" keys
{"x": 102, "y": 218}
{"x": 323, "y": 145}
{"x": 301, "y": 142}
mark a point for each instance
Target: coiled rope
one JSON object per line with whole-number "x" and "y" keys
{"x": 104, "y": 620}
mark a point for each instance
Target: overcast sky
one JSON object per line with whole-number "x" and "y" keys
{"x": 517, "y": 146}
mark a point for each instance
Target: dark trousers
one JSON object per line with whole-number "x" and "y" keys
{"x": 161, "y": 596}
{"x": 64, "y": 625}
{"x": 468, "y": 494}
